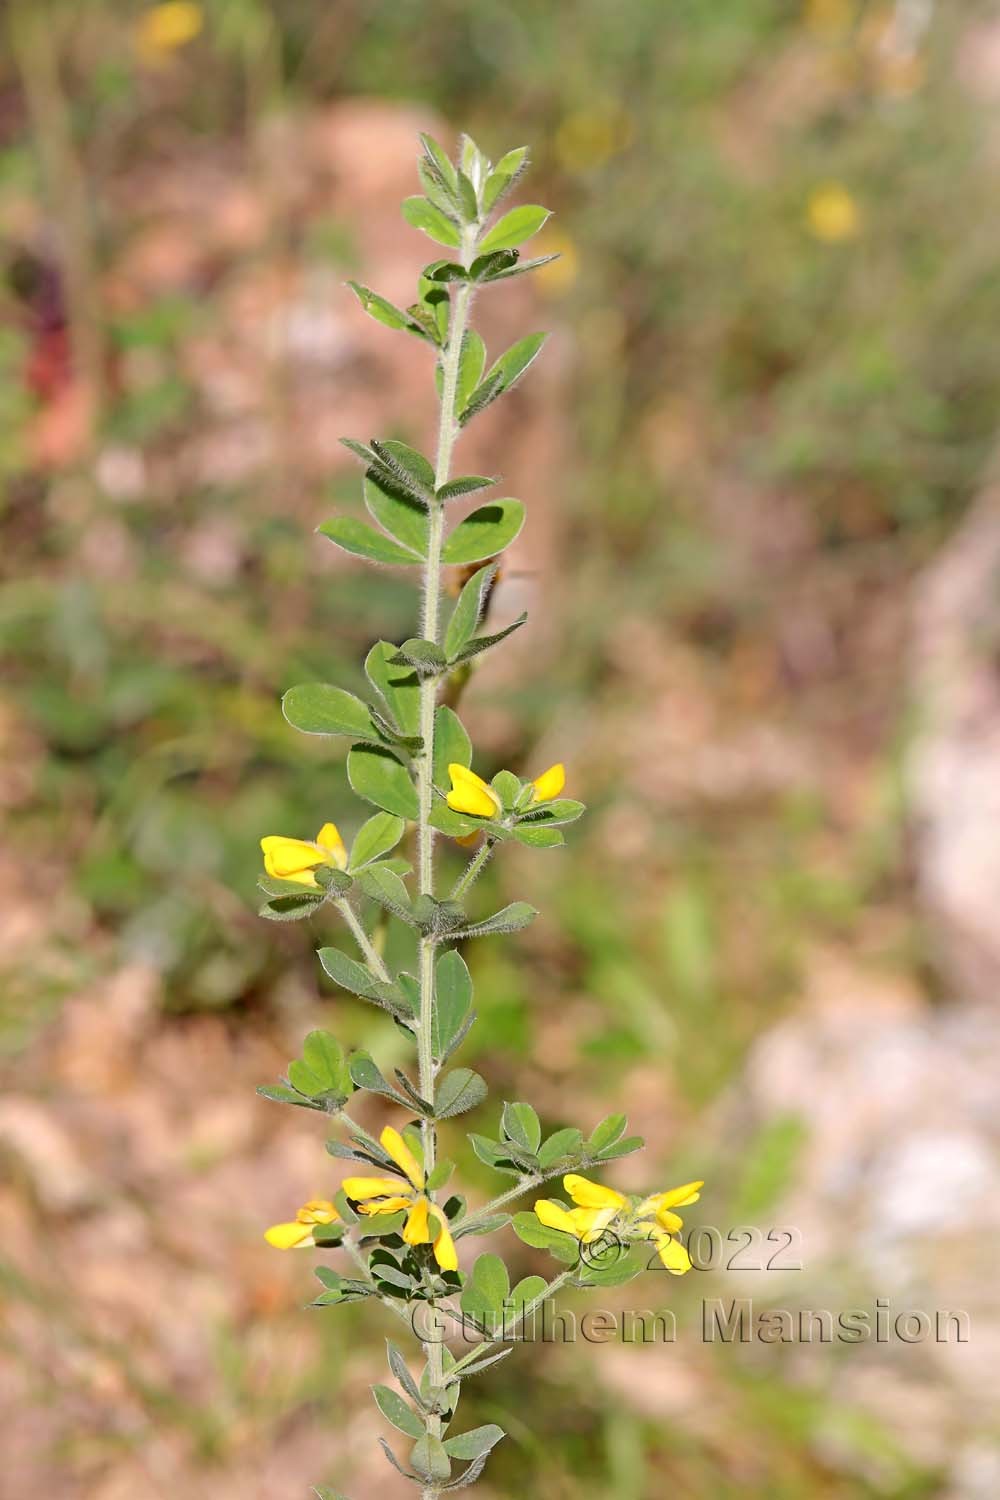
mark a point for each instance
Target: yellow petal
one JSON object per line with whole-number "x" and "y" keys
{"x": 384, "y": 1205}
{"x": 554, "y": 1216}
{"x": 669, "y": 1220}
{"x": 587, "y": 1194}
{"x": 471, "y": 794}
{"x": 360, "y": 1188}
{"x": 317, "y": 1211}
{"x": 592, "y": 1222}
{"x": 550, "y": 783}
{"x": 329, "y": 839}
{"x": 393, "y": 1144}
{"x": 444, "y": 1246}
{"x": 290, "y": 859}
{"x": 678, "y": 1197}
{"x": 416, "y": 1230}
{"x": 673, "y": 1255}
{"x": 289, "y": 1236}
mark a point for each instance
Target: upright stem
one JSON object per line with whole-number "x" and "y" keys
{"x": 430, "y": 627}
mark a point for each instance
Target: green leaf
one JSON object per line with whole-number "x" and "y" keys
{"x": 400, "y": 515}
{"x": 612, "y": 1267}
{"x": 324, "y": 1057}
{"x": 549, "y": 814}
{"x": 438, "y": 159}
{"x": 452, "y": 999}
{"x": 318, "y": 708}
{"x": 611, "y": 1129}
{"x": 530, "y": 1229}
{"x": 426, "y": 658}
{"x": 483, "y": 642}
{"x": 511, "y": 919}
{"x": 563, "y": 1144}
{"x": 537, "y": 838}
{"x": 512, "y": 364}
{"x": 506, "y": 172}
{"x": 429, "y": 1458}
{"x": 432, "y": 220}
{"x": 468, "y": 610}
{"x": 377, "y": 775}
{"x": 468, "y": 199}
{"x": 362, "y": 540}
{"x": 523, "y": 1295}
{"x": 521, "y": 1125}
{"x": 374, "y": 838}
{"x": 397, "y": 1411}
{"x": 487, "y": 267}
{"x": 466, "y": 485}
{"x": 387, "y": 889}
{"x": 399, "y": 1367}
{"x": 514, "y": 228}
{"x": 398, "y": 686}
{"x": 384, "y": 311}
{"x": 278, "y": 1094}
{"x": 457, "y": 1092}
{"x": 455, "y": 825}
{"x": 485, "y": 533}
{"x": 491, "y": 1280}
{"x": 484, "y": 395}
{"x": 367, "y": 1075}
{"x": 622, "y": 1148}
{"x": 408, "y": 463}
{"x": 523, "y": 266}
{"x": 452, "y": 745}
{"x": 351, "y": 975}
{"x": 293, "y": 906}
{"x": 472, "y": 362}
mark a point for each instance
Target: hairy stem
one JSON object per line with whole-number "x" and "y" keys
{"x": 481, "y": 1351}
{"x": 362, "y": 939}
{"x": 473, "y": 869}
{"x": 430, "y": 626}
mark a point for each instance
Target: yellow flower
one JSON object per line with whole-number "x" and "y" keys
{"x": 598, "y": 1208}
{"x": 296, "y": 859}
{"x": 550, "y": 783}
{"x": 832, "y": 214}
{"x": 300, "y": 1233}
{"x": 655, "y": 1220}
{"x": 471, "y": 794}
{"x": 164, "y": 28}
{"x": 588, "y": 138}
{"x": 425, "y": 1223}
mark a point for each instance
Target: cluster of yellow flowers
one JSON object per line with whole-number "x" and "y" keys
{"x": 602, "y": 1211}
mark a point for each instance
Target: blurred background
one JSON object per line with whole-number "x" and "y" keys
{"x": 763, "y": 566}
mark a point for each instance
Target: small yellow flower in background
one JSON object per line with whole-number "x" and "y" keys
{"x": 588, "y": 138}
{"x": 598, "y": 1208}
{"x": 299, "y": 1235}
{"x": 556, "y": 278}
{"x": 296, "y": 859}
{"x": 162, "y": 29}
{"x": 471, "y": 794}
{"x": 425, "y": 1224}
{"x": 832, "y": 214}
{"x": 550, "y": 783}
{"x": 830, "y": 15}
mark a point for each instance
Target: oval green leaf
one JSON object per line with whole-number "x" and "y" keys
{"x": 485, "y": 533}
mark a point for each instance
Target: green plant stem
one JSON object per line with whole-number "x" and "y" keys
{"x": 357, "y": 1255}
{"x": 430, "y": 629}
{"x": 362, "y": 939}
{"x": 523, "y": 1185}
{"x": 473, "y": 869}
